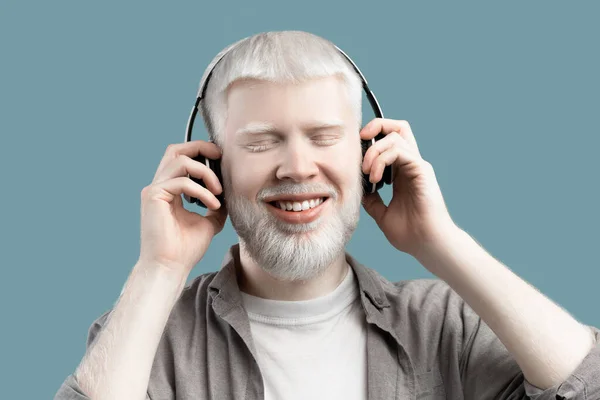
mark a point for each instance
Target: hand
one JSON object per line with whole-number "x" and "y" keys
{"x": 416, "y": 214}
{"x": 170, "y": 235}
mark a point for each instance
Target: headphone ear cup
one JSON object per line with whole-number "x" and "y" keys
{"x": 368, "y": 187}
{"x": 388, "y": 176}
{"x": 215, "y": 166}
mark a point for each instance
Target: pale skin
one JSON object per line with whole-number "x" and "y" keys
{"x": 546, "y": 342}
{"x": 282, "y": 126}
{"x": 416, "y": 222}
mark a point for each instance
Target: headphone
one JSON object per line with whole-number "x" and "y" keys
{"x": 215, "y": 165}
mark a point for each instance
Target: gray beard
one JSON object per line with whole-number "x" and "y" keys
{"x": 294, "y": 252}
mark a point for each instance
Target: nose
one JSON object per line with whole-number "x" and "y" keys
{"x": 298, "y": 162}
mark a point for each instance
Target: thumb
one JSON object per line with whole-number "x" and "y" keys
{"x": 217, "y": 218}
{"x": 374, "y": 206}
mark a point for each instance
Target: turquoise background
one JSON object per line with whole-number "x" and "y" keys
{"x": 502, "y": 98}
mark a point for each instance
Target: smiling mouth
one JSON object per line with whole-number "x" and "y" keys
{"x": 298, "y": 206}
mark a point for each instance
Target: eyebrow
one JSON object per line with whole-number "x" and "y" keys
{"x": 255, "y": 128}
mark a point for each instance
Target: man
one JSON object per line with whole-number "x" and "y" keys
{"x": 291, "y": 315}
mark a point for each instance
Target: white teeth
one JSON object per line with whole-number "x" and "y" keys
{"x": 298, "y": 205}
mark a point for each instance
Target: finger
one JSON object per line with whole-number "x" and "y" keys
{"x": 191, "y": 149}
{"x": 182, "y": 165}
{"x": 390, "y": 141}
{"x": 386, "y": 126}
{"x": 379, "y": 147}
{"x": 374, "y": 206}
{"x": 400, "y": 155}
{"x": 171, "y": 188}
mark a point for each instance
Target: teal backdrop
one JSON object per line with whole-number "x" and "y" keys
{"x": 502, "y": 98}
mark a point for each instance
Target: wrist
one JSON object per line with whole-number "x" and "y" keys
{"x": 438, "y": 242}
{"x": 167, "y": 275}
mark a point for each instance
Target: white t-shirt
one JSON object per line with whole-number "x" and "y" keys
{"x": 312, "y": 349}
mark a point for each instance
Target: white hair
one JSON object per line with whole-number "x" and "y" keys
{"x": 279, "y": 57}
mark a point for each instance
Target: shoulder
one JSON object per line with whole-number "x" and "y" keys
{"x": 429, "y": 317}
{"x": 199, "y": 286}
{"x": 193, "y": 301}
{"x": 418, "y": 292}
{"x": 423, "y": 292}
{"x": 429, "y": 303}
{"x": 189, "y": 306}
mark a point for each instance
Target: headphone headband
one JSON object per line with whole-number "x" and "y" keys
{"x": 202, "y": 91}
{"x": 368, "y": 186}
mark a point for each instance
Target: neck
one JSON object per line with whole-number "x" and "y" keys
{"x": 253, "y": 280}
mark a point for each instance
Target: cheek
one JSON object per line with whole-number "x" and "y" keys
{"x": 248, "y": 178}
{"x": 344, "y": 164}
{"x": 351, "y": 156}
{"x": 347, "y": 157}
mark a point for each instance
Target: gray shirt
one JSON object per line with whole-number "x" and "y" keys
{"x": 423, "y": 342}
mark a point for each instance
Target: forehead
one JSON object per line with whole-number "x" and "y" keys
{"x": 322, "y": 99}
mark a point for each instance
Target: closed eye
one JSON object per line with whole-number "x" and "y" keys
{"x": 260, "y": 145}
{"x": 326, "y": 139}
{"x": 322, "y": 140}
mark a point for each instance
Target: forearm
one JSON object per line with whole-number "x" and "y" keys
{"x": 118, "y": 364}
{"x": 546, "y": 342}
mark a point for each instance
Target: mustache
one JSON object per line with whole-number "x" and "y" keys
{"x": 289, "y": 188}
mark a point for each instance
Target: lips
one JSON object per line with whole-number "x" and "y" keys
{"x": 291, "y": 205}
{"x": 296, "y": 197}
{"x": 297, "y": 217}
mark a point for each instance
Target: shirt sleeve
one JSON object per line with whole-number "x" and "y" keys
{"x": 70, "y": 389}
{"x": 489, "y": 371}
{"x": 583, "y": 383}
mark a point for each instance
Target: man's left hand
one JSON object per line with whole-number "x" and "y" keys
{"x": 416, "y": 214}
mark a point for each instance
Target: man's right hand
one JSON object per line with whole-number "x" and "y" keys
{"x": 172, "y": 236}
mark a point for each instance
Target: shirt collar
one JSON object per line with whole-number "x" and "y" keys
{"x": 225, "y": 282}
